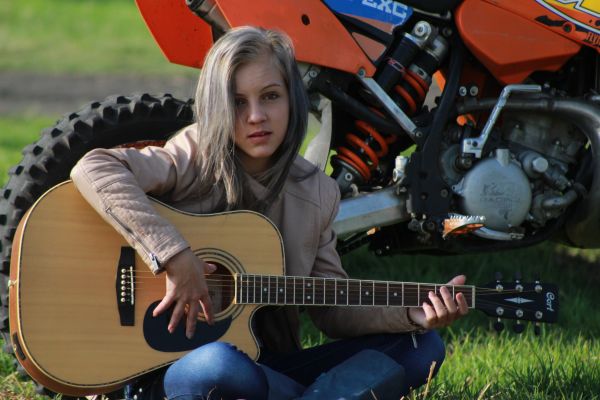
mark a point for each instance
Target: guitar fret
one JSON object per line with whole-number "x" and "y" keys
{"x": 261, "y": 290}
{"x": 354, "y": 292}
{"x": 360, "y": 292}
{"x": 402, "y": 294}
{"x": 272, "y": 289}
{"x": 373, "y": 294}
{"x": 347, "y": 291}
{"x": 380, "y": 291}
{"x": 255, "y": 297}
{"x": 303, "y": 290}
{"x": 319, "y": 287}
{"x": 280, "y": 290}
{"x": 388, "y": 294}
{"x": 330, "y": 294}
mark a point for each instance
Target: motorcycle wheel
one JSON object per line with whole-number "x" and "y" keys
{"x": 136, "y": 120}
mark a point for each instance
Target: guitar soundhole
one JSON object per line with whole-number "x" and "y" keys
{"x": 221, "y": 289}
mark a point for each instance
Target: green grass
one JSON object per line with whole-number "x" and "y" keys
{"x": 79, "y": 36}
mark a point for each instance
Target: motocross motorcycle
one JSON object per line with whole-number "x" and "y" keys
{"x": 503, "y": 158}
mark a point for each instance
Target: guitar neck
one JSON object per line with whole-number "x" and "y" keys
{"x": 298, "y": 290}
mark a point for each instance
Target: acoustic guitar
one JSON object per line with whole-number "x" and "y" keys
{"x": 81, "y": 299}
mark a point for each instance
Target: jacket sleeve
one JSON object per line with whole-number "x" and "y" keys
{"x": 339, "y": 322}
{"x": 115, "y": 183}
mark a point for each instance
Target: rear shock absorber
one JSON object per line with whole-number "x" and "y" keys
{"x": 361, "y": 153}
{"x": 359, "y": 158}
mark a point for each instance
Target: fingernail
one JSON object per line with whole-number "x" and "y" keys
{"x": 212, "y": 267}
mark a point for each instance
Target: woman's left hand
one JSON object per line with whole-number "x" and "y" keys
{"x": 441, "y": 310}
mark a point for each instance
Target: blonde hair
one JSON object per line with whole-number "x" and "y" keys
{"x": 215, "y": 115}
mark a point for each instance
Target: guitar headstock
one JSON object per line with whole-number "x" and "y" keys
{"x": 518, "y": 300}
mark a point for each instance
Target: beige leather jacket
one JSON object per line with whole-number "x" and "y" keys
{"x": 115, "y": 183}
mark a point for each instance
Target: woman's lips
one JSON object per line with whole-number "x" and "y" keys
{"x": 259, "y": 134}
{"x": 259, "y": 137}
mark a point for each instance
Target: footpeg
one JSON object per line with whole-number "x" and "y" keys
{"x": 457, "y": 224}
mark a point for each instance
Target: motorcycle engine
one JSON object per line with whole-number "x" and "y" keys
{"x": 498, "y": 189}
{"x": 524, "y": 179}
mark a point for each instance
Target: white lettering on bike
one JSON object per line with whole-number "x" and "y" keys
{"x": 387, "y": 6}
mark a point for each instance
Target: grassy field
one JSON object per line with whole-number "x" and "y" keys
{"x": 108, "y": 36}
{"x": 79, "y": 36}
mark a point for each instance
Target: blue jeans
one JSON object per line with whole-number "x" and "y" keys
{"x": 220, "y": 371}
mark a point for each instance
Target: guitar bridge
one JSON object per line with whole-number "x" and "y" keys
{"x": 125, "y": 286}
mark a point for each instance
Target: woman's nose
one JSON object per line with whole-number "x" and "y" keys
{"x": 256, "y": 113}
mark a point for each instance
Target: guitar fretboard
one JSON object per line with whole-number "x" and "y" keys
{"x": 297, "y": 290}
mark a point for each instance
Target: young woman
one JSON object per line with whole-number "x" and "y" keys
{"x": 242, "y": 153}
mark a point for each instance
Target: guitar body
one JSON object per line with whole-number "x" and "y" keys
{"x": 65, "y": 321}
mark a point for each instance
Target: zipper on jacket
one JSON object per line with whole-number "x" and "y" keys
{"x": 153, "y": 258}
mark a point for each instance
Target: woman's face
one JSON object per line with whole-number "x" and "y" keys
{"x": 262, "y": 113}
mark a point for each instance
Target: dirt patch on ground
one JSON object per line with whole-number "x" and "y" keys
{"x": 34, "y": 93}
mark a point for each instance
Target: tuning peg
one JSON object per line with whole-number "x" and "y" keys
{"x": 499, "y": 326}
{"x": 518, "y": 327}
{"x": 537, "y": 329}
{"x": 498, "y": 276}
{"x": 518, "y": 276}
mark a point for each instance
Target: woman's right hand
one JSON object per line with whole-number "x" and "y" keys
{"x": 186, "y": 286}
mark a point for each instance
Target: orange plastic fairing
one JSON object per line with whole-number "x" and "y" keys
{"x": 183, "y": 37}
{"x": 319, "y": 37}
{"x": 510, "y": 46}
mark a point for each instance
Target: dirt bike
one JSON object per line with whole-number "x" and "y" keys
{"x": 503, "y": 158}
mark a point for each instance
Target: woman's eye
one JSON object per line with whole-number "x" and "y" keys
{"x": 272, "y": 96}
{"x": 239, "y": 102}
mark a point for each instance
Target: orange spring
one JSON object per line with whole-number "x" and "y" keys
{"x": 418, "y": 85}
{"x": 360, "y": 153}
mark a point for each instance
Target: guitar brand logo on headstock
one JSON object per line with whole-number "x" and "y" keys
{"x": 549, "y": 299}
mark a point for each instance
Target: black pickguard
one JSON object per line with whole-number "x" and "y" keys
{"x": 158, "y": 337}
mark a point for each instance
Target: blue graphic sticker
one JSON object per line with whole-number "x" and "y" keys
{"x": 389, "y": 11}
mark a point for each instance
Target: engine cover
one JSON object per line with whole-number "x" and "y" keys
{"x": 498, "y": 189}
